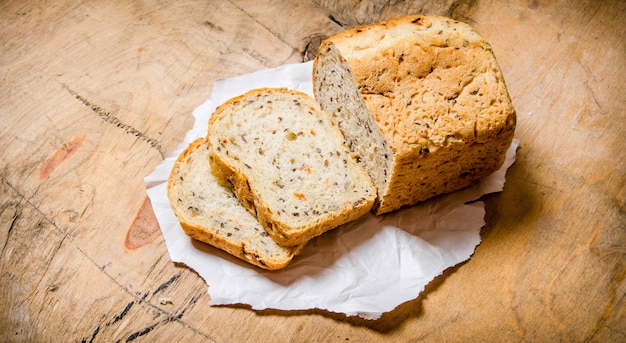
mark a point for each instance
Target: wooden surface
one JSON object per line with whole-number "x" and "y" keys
{"x": 95, "y": 93}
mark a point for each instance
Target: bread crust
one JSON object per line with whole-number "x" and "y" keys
{"x": 218, "y": 221}
{"x": 436, "y": 92}
{"x": 229, "y": 172}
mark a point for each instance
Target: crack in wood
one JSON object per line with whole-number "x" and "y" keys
{"x": 148, "y": 329}
{"x": 11, "y": 227}
{"x": 111, "y": 119}
{"x": 166, "y": 284}
{"x": 170, "y": 317}
{"x": 138, "y": 334}
{"x": 93, "y": 336}
{"x": 214, "y": 26}
{"x": 122, "y": 314}
{"x": 334, "y": 20}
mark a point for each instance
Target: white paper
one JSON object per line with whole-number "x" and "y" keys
{"x": 365, "y": 268}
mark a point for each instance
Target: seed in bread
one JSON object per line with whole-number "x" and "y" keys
{"x": 209, "y": 212}
{"x": 287, "y": 162}
{"x": 422, "y": 103}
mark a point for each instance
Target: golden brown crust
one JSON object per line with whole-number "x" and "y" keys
{"x": 243, "y": 252}
{"x": 435, "y": 90}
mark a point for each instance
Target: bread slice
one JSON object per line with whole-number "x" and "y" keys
{"x": 210, "y": 213}
{"x": 287, "y": 162}
{"x": 422, "y": 103}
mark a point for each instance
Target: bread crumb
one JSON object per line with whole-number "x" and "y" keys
{"x": 165, "y": 301}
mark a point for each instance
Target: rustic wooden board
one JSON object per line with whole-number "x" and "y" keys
{"x": 95, "y": 94}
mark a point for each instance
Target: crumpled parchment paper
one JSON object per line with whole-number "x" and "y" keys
{"x": 365, "y": 268}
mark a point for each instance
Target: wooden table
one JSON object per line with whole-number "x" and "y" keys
{"x": 94, "y": 94}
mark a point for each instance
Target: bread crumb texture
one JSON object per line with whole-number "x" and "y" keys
{"x": 287, "y": 162}
{"x": 210, "y": 213}
{"x": 437, "y": 95}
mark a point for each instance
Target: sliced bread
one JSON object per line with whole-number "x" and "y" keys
{"x": 210, "y": 213}
{"x": 287, "y": 162}
{"x": 422, "y": 103}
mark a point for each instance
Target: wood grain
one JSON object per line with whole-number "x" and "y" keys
{"x": 350, "y": 13}
{"x": 95, "y": 94}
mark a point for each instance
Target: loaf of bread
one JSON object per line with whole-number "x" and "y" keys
{"x": 210, "y": 213}
{"x": 422, "y": 103}
{"x": 288, "y": 163}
